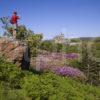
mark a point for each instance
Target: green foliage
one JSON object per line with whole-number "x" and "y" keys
{"x": 22, "y": 32}
{"x": 75, "y": 63}
{"x": 52, "y": 87}
{"x": 59, "y": 47}
{"x": 96, "y": 49}
{"x": 71, "y": 49}
{"x": 5, "y": 21}
{"x": 33, "y": 41}
{"x": 16, "y": 84}
{"x": 10, "y": 77}
{"x": 10, "y": 74}
{"x": 75, "y": 40}
{"x": 6, "y": 94}
{"x": 97, "y": 39}
{"x": 47, "y": 45}
{"x": 51, "y": 46}
{"x": 90, "y": 67}
{"x": 28, "y": 37}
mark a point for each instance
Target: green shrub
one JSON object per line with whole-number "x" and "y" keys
{"x": 16, "y": 84}
{"x": 52, "y": 87}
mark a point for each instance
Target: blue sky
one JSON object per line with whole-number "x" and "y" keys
{"x": 75, "y": 18}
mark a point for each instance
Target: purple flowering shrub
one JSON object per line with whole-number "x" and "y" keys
{"x": 55, "y": 59}
{"x": 72, "y": 56}
{"x": 52, "y": 61}
{"x": 70, "y": 72}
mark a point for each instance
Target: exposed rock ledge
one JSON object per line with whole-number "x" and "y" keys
{"x": 15, "y": 51}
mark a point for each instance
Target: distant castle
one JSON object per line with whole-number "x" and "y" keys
{"x": 61, "y": 39}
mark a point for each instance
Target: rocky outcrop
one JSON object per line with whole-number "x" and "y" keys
{"x": 15, "y": 51}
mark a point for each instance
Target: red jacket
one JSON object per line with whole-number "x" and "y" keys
{"x": 14, "y": 19}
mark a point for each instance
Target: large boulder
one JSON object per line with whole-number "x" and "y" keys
{"x": 15, "y": 51}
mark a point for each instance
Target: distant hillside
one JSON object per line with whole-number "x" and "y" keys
{"x": 88, "y": 38}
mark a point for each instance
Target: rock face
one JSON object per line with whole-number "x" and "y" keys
{"x": 15, "y": 51}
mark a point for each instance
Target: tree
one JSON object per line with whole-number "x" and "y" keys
{"x": 6, "y": 25}
{"x": 22, "y": 32}
{"x": 5, "y": 21}
{"x": 33, "y": 41}
{"x": 89, "y": 66}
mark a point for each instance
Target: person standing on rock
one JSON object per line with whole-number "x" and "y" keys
{"x": 14, "y": 22}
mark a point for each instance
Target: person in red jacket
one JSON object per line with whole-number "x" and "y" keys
{"x": 14, "y": 22}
